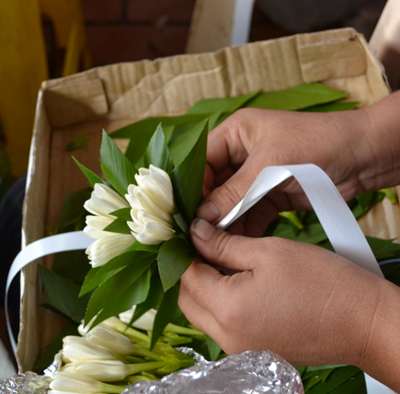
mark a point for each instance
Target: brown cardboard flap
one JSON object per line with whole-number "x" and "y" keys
{"x": 74, "y": 100}
{"x": 337, "y": 54}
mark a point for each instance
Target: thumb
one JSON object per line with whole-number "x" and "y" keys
{"x": 222, "y": 248}
{"x": 223, "y": 198}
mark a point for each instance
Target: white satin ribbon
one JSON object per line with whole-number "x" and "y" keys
{"x": 75, "y": 240}
{"x": 333, "y": 213}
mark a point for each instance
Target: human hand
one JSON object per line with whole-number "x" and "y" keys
{"x": 340, "y": 143}
{"x": 303, "y": 302}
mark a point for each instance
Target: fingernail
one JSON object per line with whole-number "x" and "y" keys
{"x": 202, "y": 229}
{"x": 209, "y": 211}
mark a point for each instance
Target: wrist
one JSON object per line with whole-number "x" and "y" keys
{"x": 379, "y": 143}
{"x": 380, "y": 356}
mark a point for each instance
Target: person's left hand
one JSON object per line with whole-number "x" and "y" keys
{"x": 306, "y": 303}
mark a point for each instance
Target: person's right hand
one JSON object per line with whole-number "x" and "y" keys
{"x": 246, "y": 142}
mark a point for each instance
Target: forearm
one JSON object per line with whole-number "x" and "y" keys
{"x": 381, "y": 357}
{"x": 380, "y": 143}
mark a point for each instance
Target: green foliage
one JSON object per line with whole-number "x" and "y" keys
{"x": 174, "y": 257}
{"x": 91, "y": 176}
{"x": 117, "y": 169}
{"x": 62, "y": 294}
{"x": 157, "y": 151}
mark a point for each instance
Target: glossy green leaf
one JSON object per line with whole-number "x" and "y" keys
{"x": 214, "y": 350}
{"x": 384, "y": 248}
{"x": 224, "y": 104}
{"x": 180, "y": 222}
{"x": 167, "y": 312}
{"x": 90, "y": 175}
{"x": 184, "y": 140}
{"x": 297, "y": 97}
{"x": 174, "y": 257}
{"x": 152, "y": 301}
{"x": 62, "y": 294}
{"x": 99, "y": 275}
{"x": 119, "y": 226}
{"x": 141, "y": 132}
{"x": 188, "y": 178}
{"x": 128, "y": 287}
{"x": 123, "y": 213}
{"x": 117, "y": 169}
{"x": 333, "y": 107}
{"x": 157, "y": 152}
{"x": 391, "y": 194}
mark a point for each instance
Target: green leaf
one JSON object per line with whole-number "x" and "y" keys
{"x": 123, "y": 213}
{"x": 99, "y": 275}
{"x": 341, "y": 377}
{"x": 124, "y": 289}
{"x": 118, "y": 226}
{"x": 141, "y": 132}
{"x": 152, "y": 301}
{"x": 333, "y": 107}
{"x": 298, "y": 97}
{"x": 188, "y": 178}
{"x": 118, "y": 170}
{"x": 184, "y": 140}
{"x": 62, "y": 294}
{"x": 180, "y": 222}
{"x": 167, "y": 312}
{"x": 157, "y": 151}
{"x": 73, "y": 265}
{"x": 213, "y": 349}
{"x": 225, "y": 104}
{"x": 91, "y": 176}
{"x": 391, "y": 194}
{"x": 384, "y": 248}
{"x": 174, "y": 257}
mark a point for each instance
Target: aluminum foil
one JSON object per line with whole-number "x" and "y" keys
{"x": 25, "y": 383}
{"x": 246, "y": 373}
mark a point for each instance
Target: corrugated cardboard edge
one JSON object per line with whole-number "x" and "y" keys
{"x": 33, "y": 228}
{"x": 126, "y": 92}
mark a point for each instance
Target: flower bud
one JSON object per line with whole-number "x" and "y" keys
{"x": 103, "y": 370}
{"x": 145, "y": 322}
{"x": 104, "y": 201}
{"x": 65, "y": 382}
{"x": 96, "y": 224}
{"x": 152, "y": 204}
{"x": 106, "y": 248}
{"x": 110, "y": 339}
{"x": 79, "y": 349}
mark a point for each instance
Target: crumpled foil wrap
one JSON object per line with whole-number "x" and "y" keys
{"x": 25, "y": 383}
{"x": 246, "y": 373}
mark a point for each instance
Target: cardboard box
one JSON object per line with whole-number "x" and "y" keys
{"x": 119, "y": 94}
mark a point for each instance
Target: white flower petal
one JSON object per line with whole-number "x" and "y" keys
{"x": 145, "y": 322}
{"x": 104, "y": 249}
{"x": 96, "y": 224}
{"x": 79, "y": 349}
{"x": 104, "y": 200}
{"x": 103, "y": 370}
{"x": 76, "y": 384}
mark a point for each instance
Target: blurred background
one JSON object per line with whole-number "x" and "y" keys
{"x": 43, "y": 39}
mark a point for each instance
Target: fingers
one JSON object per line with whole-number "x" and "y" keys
{"x": 222, "y": 199}
{"x": 219, "y": 247}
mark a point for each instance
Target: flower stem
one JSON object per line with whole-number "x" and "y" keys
{"x": 142, "y": 367}
{"x": 184, "y": 330}
{"x": 110, "y": 388}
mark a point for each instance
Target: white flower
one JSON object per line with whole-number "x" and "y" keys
{"x": 104, "y": 201}
{"x": 152, "y": 203}
{"x": 108, "y": 338}
{"x": 103, "y": 370}
{"x": 107, "y": 245}
{"x": 106, "y": 248}
{"x": 96, "y": 224}
{"x": 145, "y": 322}
{"x": 79, "y": 349}
{"x": 65, "y": 382}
